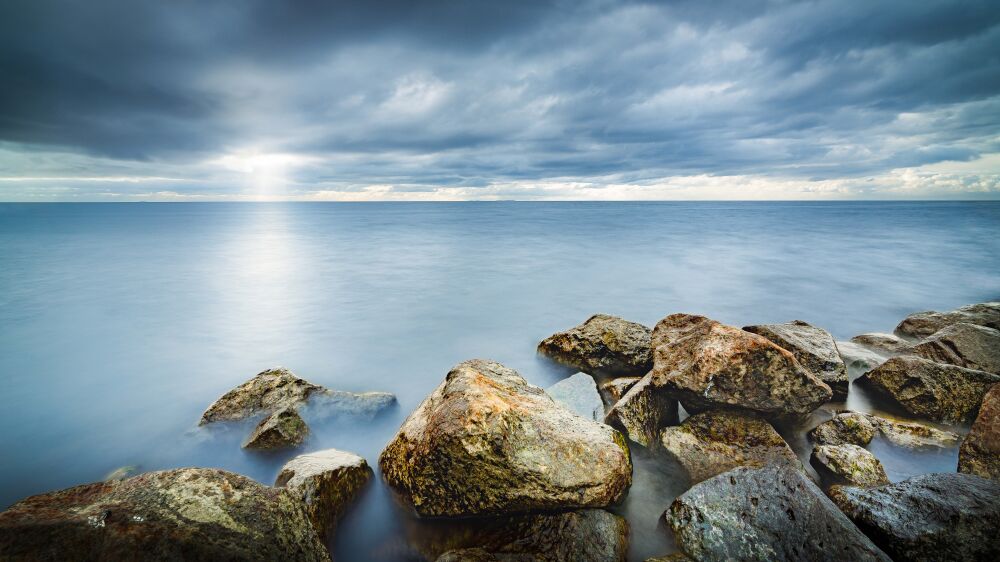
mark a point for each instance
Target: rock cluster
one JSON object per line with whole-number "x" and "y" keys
{"x": 965, "y": 345}
{"x": 857, "y": 428}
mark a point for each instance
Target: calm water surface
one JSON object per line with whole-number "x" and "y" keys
{"x": 120, "y": 323}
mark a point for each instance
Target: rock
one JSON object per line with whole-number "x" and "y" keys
{"x": 122, "y": 473}
{"x": 613, "y": 390}
{"x": 980, "y": 451}
{"x": 590, "y": 535}
{"x": 884, "y": 343}
{"x": 326, "y": 482}
{"x": 929, "y": 517}
{"x": 642, "y": 412}
{"x": 771, "y": 513}
{"x": 281, "y": 429}
{"x": 930, "y": 390}
{"x": 486, "y": 442}
{"x": 603, "y": 345}
{"x": 708, "y": 365}
{"x": 265, "y": 393}
{"x": 675, "y": 557}
{"x": 813, "y": 347}
{"x": 848, "y": 464}
{"x": 858, "y": 428}
{"x": 923, "y": 324}
{"x": 858, "y": 357}
{"x": 716, "y": 441}
{"x": 579, "y": 394}
{"x": 965, "y": 345}
{"x": 184, "y": 514}
{"x": 360, "y": 405}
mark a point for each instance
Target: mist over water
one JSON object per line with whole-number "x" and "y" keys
{"x": 121, "y": 323}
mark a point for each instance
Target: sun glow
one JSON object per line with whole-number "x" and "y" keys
{"x": 265, "y": 175}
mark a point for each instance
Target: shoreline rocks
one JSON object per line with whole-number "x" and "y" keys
{"x": 980, "y": 451}
{"x": 923, "y": 324}
{"x": 265, "y": 393}
{"x": 282, "y": 429}
{"x": 603, "y": 345}
{"x": 965, "y": 345}
{"x": 642, "y": 412}
{"x": 857, "y": 428}
{"x": 486, "y": 442}
{"x": 814, "y": 348}
{"x": 326, "y": 482}
{"x": 848, "y": 465}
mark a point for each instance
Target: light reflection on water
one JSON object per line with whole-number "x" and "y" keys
{"x": 119, "y": 324}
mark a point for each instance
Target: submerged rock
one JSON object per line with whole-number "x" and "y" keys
{"x": 579, "y": 394}
{"x": 486, "y": 442}
{"x": 184, "y": 514}
{"x": 708, "y": 365}
{"x": 360, "y": 405}
{"x": 642, "y": 412}
{"x": 930, "y": 390}
{"x": 281, "y": 429}
{"x": 813, "y": 347}
{"x": 965, "y": 345}
{"x": 716, "y": 441}
{"x": 884, "y": 343}
{"x": 858, "y": 357}
{"x": 772, "y": 513}
{"x": 326, "y": 482}
{"x": 936, "y": 517}
{"x": 980, "y": 451}
{"x": 923, "y": 324}
{"x": 613, "y": 390}
{"x": 589, "y": 535}
{"x": 604, "y": 345}
{"x": 848, "y": 464}
{"x": 265, "y": 393}
{"x": 858, "y": 428}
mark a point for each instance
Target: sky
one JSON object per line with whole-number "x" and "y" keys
{"x": 136, "y": 100}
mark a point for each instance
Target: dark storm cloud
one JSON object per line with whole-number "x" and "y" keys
{"x": 468, "y": 93}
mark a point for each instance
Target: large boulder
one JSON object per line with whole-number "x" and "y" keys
{"x": 923, "y": 324}
{"x": 934, "y": 391}
{"x": 589, "y": 535}
{"x": 813, "y": 347}
{"x": 642, "y": 412}
{"x": 965, "y": 345}
{"x": 707, "y": 365}
{"x": 716, "y": 441}
{"x": 885, "y": 343}
{"x": 579, "y": 394}
{"x": 980, "y": 451}
{"x": 603, "y": 345}
{"x": 282, "y": 429}
{"x": 942, "y": 517}
{"x": 858, "y": 428}
{"x": 849, "y": 465}
{"x": 486, "y": 442}
{"x": 860, "y": 358}
{"x": 772, "y": 513}
{"x": 326, "y": 482}
{"x": 184, "y": 514}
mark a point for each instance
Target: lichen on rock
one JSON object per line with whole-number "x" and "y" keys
{"x": 603, "y": 345}
{"x": 327, "y": 482}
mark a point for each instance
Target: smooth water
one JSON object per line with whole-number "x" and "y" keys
{"x": 120, "y": 323}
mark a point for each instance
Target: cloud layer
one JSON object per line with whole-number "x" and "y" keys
{"x": 462, "y": 100}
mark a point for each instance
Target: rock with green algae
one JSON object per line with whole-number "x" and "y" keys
{"x": 183, "y": 514}
{"x": 813, "y": 347}
{"x": 923, "y": 324}
{"x": 965, "y": 345}
{"x": 772, "y": 513}
{"x": 848, "y": 465}
{"x": 929, "y": 390}
{"x": 858, "y": 428}
{"x": 327, "y": 482}
{"x": 708, "y": 365}
{"x": 980, "y": 451}
{"x": 282, "y": 429}
{"x": 603, "y": 345}
{"x": 643, "y": 412}
{"x": 486, "y": 442}
{"x": 717, "y": 441}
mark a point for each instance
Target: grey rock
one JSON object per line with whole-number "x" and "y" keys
{"x": 486, "y": 442}
{"x": 859, "y": 428}
{"x": 339, "y": 403}
{"x": 709, "y": 365}
{"x": 849, "y": 465}
{"x": 642, "y": 412}
{"x": 184, "y": 514}
{"x": 579, "y": 394}
{"x": 613, "y": 390}
{"x": 603, "y": 345}
{"x": 281, "y": 429}
{"x": 772, "y": 513}
{"x": 327, "y": 482}
{"x": 938, "y": 517}
{"x": 923, "y": 324}
{"x": 929, "y": 390}
{"x": 858, "y": 357}
{"x": 980, "y": 451}
{"x": 965, "y": 345}
{"x": 813, "y": 347}
{"x": 717, "y": 441}
{"x": 265, "y": 393}
{"x": 885, "y": 343}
